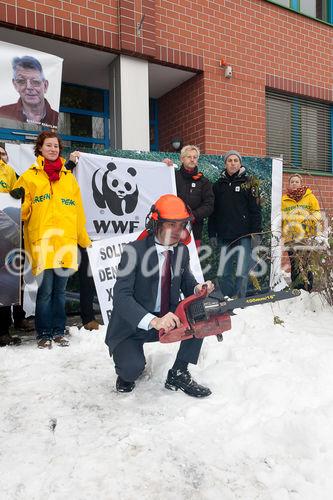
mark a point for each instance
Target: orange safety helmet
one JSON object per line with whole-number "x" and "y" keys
{"x": 169, "y": 208}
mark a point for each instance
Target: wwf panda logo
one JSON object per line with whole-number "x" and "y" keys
{"x": 119, "y": 192}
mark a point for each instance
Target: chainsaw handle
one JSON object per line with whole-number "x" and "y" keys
{"x": 203, "y": 292}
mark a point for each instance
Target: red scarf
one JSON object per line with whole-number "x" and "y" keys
{"x": 52, "y": 168}
{"x": 297, "y": 194}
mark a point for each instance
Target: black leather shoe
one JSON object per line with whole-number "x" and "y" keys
{"x": 178, "y": 379}
{"x": 123, "y": 386}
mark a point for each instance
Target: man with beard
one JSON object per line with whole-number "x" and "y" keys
{"x": 235, "y": 224}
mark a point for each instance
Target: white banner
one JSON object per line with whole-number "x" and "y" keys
{"x": 30, "y": 87}
{"x": 119, "y": 192}
{"x": 277, "y": 281}
{"x": 117, "y": 196}
{"x": 21, "y": 156}
{"x": 104, "y": 258}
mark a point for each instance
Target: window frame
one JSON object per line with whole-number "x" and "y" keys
{"x": 296, "y": 137}
{"x": 294, "y": 6}
{"x": 105, "y": 115}
{"x": 153, "y": 123}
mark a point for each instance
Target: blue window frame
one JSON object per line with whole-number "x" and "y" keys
{"x": 84, "y": 116}
{"x": 83, "y": 119}
{"x": 318, "y": 9}
{"x": 11, "y": 134}
{"x": 153, "y": 124}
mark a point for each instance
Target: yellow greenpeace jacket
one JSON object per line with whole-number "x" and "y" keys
{"x": 7, "y": 177}
{"x": 300, "y": 219}
{"x": 53, "y": 216}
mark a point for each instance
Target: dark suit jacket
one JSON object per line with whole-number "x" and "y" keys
{"x": 134, "y": 294}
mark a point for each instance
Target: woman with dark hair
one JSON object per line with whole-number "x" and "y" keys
{"x": 54, "y": 225}
{"x": 301, "y": 220}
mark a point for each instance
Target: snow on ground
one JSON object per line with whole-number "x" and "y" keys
{"x": 266, "y": 433}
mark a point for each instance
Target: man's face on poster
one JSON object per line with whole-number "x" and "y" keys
{"x": 31, "y": 86}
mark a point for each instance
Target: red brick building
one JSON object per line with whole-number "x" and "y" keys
{"x": 278, "y": 100}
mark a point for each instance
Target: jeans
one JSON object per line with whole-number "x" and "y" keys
{"x": 234, "y": 263}
{"x": 50, "y": 316}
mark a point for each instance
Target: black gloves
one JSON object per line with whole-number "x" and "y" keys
{"x": 18, "y": 193}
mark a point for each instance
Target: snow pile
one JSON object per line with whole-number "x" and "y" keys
{"x": 265, "y": 433}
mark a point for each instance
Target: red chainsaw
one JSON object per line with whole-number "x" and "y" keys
{"x": 202, "y": 316}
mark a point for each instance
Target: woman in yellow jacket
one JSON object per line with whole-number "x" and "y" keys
{"x": 54, "y": 224}
{"x": 301, "y": 220}
{"x": 7, "y": 173}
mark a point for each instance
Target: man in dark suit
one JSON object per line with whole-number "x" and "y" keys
{"x": 151, "y": 274}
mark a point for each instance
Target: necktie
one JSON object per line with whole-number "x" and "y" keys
{"x": 166, "y": 283}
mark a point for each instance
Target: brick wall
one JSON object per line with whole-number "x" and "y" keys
{"x": 126, "y": 26}
{"x": 265, "y": 44}
{"x": 85, "y": 21}
{"x": 182, "y": 110}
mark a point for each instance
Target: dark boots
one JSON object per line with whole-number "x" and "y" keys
{"x": 123, "y": 386}
{"x": 7, "y": 339}
{"x": 182, "y": 380}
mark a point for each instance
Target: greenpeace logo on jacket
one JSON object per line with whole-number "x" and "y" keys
{"x": 41, "y": 198}
{"x": 47, "y": 196}
{"x": 68, "y": 202}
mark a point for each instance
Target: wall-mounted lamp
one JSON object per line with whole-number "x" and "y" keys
{"x": 176, "y": 143}
{"x": 227, "y": 68}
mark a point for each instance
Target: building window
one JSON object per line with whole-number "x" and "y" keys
{"x": 320, "y": 9}
{"x": 300, "y": 130}
{"x": 314, "y": 8}
{"x": 153, "y": 124}
{"x": 84, "y": 117}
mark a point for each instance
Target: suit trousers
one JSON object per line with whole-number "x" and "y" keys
{"x": 6, "y": 317}
{"x": 129, "y": 357}
{"x": 87, "y": 289}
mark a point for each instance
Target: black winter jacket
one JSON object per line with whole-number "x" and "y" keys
{"x": 197, "y": 193}
{"x": 237, "y": 210}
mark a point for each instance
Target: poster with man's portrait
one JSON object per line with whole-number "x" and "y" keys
{"x": 30, "y": 87}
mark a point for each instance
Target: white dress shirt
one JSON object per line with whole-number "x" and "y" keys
{"x": 145, "y": 322}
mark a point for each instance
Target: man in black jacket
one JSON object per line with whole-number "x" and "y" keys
{"x": 235, "y": 224}
{"x": 151, "y": 274}
{"x": 194, "y": 189}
